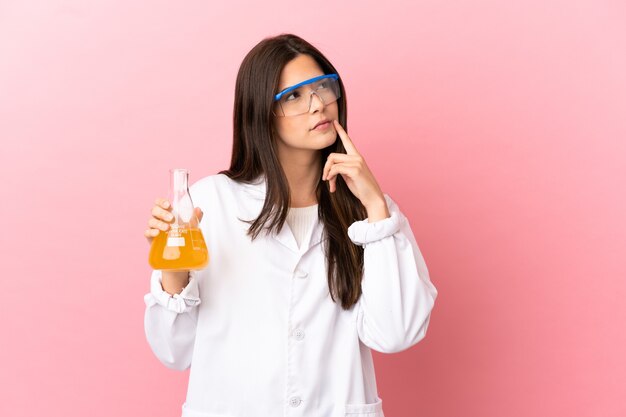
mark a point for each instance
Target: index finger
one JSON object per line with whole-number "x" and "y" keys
{"x": 162, "y": 202}
{"x": 345, "y": 139}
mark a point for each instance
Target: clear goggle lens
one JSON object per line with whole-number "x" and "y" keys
{"x": 294, "y": 101}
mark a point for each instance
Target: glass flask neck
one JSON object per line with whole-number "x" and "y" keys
{"x": 179, "y": 178}
{"x": 182, "y": 206}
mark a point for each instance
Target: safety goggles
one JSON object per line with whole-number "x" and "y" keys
{"x": 296, "y": 100}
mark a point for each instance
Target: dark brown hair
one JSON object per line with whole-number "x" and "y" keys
{"x": 254, "y": 153}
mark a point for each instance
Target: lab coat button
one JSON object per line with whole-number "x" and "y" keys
{"x": 295, "y": 401}
{"x": 298, "y": 334}
{"x": 301, "y": 274}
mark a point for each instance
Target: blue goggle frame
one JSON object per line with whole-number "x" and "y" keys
{"x": 305, "y": 82}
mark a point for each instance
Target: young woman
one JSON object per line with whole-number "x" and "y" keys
{"x": 312, "y": 265}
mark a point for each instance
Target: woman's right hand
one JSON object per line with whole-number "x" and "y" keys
{"x": 162, "y": 217}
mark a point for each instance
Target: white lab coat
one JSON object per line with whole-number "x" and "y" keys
{"x": 258, "y": 326}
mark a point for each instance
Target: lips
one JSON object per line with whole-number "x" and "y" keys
{"x": 321, "y": 122}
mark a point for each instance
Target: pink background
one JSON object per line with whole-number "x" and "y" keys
{"x": 499, "y": 127}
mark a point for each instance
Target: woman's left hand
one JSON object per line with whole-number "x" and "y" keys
{"x": 358, "y": 177}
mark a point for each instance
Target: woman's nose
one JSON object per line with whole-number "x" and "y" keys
{"x": 319, "y": 103}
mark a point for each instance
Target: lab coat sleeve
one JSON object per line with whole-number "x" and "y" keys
{"x": 397, "y": 295}
{"x": 170, "y": 321}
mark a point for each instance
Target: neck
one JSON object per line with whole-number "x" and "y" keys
{"x": 303, "y": 171}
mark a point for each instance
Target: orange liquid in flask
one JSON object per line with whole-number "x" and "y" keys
{"x": 179, "y": 250}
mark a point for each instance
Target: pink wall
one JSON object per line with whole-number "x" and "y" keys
{"x": 499, "y": 127}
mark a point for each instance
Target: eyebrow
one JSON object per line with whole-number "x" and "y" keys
{"x": 290, "y": 85}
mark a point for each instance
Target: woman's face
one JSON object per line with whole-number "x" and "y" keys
{"x": 297, "y": 132}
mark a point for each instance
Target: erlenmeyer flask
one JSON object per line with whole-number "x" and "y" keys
{"x": 182, "y": 247}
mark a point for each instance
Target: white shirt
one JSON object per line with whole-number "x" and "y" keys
{"x": 300, "y": 221}
{"x": 258, "y": 326}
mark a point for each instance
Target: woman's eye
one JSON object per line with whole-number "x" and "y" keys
{"x": 322, "y": 85}
{"x": 292, "y": 96}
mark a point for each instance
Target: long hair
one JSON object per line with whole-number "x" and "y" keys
{"x": 254, "y": 153}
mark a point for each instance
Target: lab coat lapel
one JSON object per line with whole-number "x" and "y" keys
{"x": 316, "y": 233}
{"x": 252, "y": 199}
